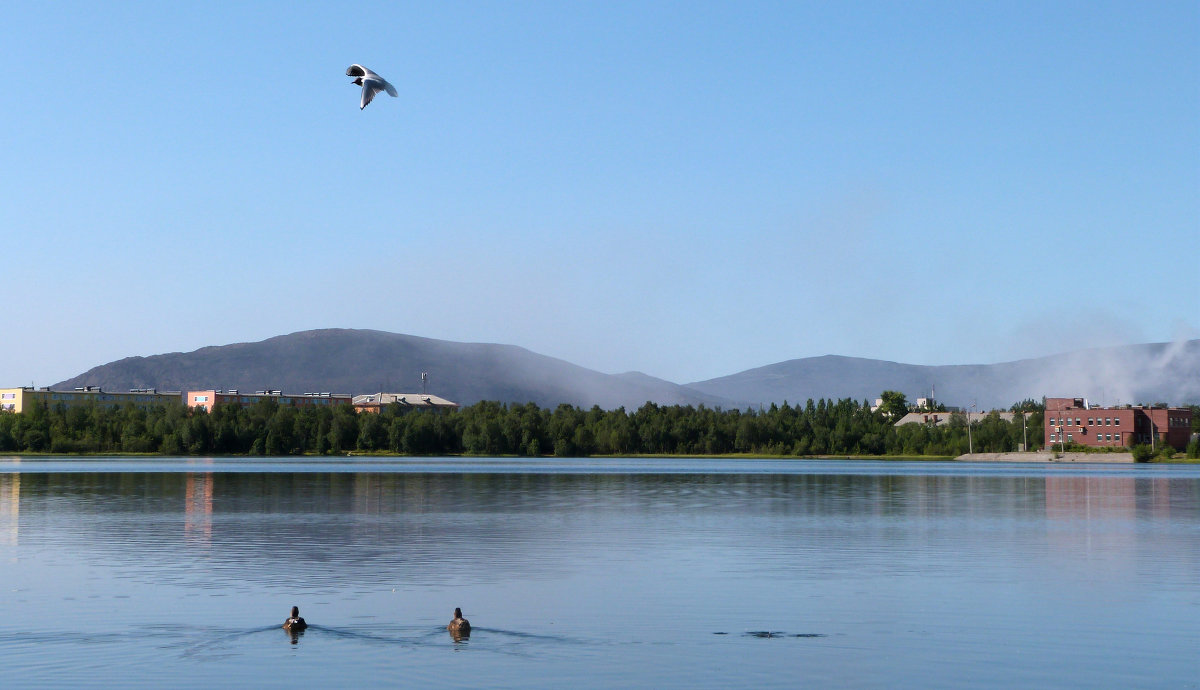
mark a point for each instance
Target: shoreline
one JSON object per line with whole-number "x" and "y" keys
{"x": 1041, "y": 456}
{"x": 1048, "y": 457}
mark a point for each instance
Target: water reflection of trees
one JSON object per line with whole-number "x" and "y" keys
{"x": 370, "y": 493}
{"x": 10, "y": 508}
{"x": 360, "y": 527}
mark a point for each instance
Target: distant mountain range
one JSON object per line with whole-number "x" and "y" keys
{"x": 1161, "y": 372}
{"x": 364, "y": 361}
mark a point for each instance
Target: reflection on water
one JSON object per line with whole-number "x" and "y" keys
{"x": 848, "y": 574}
{"x": 199, "y": 507}
{"x": 10, "y": 508}
{"x": 498, "y": 525}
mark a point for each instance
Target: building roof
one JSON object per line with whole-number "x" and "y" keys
{"x": 406, "y": 399}
{"x": 943, "y": 418}
{"x": 1074, "y": 405}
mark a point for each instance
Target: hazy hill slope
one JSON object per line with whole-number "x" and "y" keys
{"x": 364, "y": 361}
{"x": 1167, "y": 372}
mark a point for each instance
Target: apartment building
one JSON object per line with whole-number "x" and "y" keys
{"x": 19, "y": 399}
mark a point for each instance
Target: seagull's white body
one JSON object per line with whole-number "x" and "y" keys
{"x": 370, "y": 82}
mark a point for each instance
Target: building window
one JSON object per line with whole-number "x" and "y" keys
{"x": 1070, "y": 437}
{"x": 1116, "y": 421}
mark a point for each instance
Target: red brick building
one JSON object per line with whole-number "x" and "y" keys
{"x": 1073, "y": 420}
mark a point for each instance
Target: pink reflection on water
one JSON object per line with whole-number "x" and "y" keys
{"x": 198, "y": 507}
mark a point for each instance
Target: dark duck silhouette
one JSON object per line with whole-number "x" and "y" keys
{"x": 295, "y": 623}
{"x": 459, "y": 627}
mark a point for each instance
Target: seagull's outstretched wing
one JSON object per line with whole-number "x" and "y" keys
{"x": 370, "y": 88}
{"x": 370, "y": 82}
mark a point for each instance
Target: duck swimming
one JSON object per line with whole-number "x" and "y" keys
{"x": 459, "y": 625}
{"x": 295, "y": 623}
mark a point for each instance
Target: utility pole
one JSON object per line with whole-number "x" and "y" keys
{"x": 1062, "y": 435}
{"x": 1150, "y": 419}
{"x": 970, "y": 443}
{"x": 1024, "y": 433}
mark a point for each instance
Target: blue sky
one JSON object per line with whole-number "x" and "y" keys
{"x": 684, "y": 189}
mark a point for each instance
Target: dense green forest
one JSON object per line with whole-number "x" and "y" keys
{"x": 823, "y": 427}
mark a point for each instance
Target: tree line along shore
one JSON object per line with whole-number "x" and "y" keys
{"x": 822, "y": 427}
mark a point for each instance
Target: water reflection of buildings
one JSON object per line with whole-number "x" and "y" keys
{"x": 1091, "y": 498}
{"x": 1103, "y": 519}
{"x": 198, "y": 507}
{"x": 10, "y": 507}
{"x": 1112, "y": 498}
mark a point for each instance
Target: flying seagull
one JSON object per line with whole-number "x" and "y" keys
{"x": 370, "y": 82}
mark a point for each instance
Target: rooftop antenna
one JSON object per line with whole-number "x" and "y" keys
{"x": 424, "y": 378}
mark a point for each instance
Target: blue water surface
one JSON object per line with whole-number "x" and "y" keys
{"x": 598, "y": 573}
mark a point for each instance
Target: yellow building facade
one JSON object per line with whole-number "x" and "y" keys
{"x": 19, "y": 399}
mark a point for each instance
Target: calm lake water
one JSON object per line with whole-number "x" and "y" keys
{"x": 598, "y": 573}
